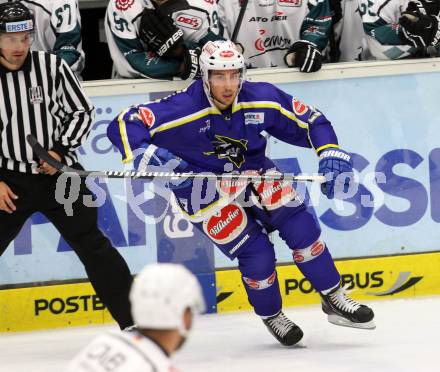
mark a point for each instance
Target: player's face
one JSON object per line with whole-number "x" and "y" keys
{"x": 14, "y": 48}
{"x": 224, "y": 85}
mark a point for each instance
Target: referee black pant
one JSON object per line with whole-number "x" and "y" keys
{"x": 105, "y": 267}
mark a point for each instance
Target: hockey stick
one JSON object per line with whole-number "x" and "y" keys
{"x": 44, "y": 155}
{"x": 239, "y": 20}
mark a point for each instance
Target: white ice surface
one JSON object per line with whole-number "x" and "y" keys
{"x": 407, "y": 338}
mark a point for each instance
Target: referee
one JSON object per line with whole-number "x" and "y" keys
{"x": 39, "y": 95}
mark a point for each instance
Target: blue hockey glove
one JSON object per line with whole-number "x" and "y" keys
{"x": 333, "y": 162}
{"x": 158, "y": 159}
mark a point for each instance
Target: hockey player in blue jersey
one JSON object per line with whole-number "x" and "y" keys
{"x": 215, "y": 125}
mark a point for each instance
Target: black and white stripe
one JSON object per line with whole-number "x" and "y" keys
{"x": 44, "y": 99}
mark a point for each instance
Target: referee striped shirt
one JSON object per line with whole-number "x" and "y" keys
{"x": 44, "y": 99}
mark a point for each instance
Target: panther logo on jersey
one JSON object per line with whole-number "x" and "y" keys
{"x": 124, "y": 4}
{"x": 229, "y": 148}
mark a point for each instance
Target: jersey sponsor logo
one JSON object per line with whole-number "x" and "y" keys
{"x": 260, "y": 284}
{"x": 278, "y": 16}
{"x": 274, "y": 194}
{"x": 296, "y": 3}
{"x": 323, "y": 19}
{"x": 315, "y": 30}
{"x": 274, "y": 42}
{"x": 189, "y": 21}
{"x": 229, "y": 149}
{"x": 298, "y": 107}
{"x": 19, "y": 26}
{"x": 226, "y": 225}
{"x": 147, "y": 116}
{"x": 317, "y": 248}
{"x": 266, "y": 2}
{"x": 36, "y": 95}
{"x": 124, "y": 4}
{"x": 254, "y": 117}
{"x": 297, "y": 256}
{"x": 231, "y": 187}
{"x": 309, "y": 253}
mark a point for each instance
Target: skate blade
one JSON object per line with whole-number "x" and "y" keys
{"x": 340, "y": 321}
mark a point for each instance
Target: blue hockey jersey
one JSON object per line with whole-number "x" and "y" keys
{"x": 191, "y": 127}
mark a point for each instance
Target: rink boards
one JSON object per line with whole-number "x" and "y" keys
{"x": 378, "y": 108}
{"x": 366, "y": 279}
{"x": 55, "y": 306}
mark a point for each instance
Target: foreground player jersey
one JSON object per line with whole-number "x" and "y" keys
{"x": 199, "y": 23}
{"x": 123, "y": 351}
{"x": 270, "y": 27}
{"x": 188, "y": 125}
{"x": 58, "y": 30}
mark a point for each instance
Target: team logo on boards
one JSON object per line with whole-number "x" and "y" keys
{"x": 36, "y": 95}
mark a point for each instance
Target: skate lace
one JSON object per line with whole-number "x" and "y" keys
{"x": 340, "y": 300}
{"x": 280, "y": 324}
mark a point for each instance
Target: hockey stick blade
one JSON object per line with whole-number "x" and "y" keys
{"x": 44, "y": 155}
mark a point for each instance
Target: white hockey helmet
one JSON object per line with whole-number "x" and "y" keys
{"x": 160, "y": 295}
{"x": 220, "y": 55}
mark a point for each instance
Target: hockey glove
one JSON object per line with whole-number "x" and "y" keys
{"x": 420, "y": 30}
{"x": 335, "y": 164}
{"x": 160, "y": 33}
{"x": 305, "y": 55}
{"x": 190, "y": 65}
{"x": 158, "y": 159}
{"x": 426, "y": 7}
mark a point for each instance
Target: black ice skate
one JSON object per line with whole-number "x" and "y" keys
{"x": 344, "y": 311}
{"x": 284, "y": 330}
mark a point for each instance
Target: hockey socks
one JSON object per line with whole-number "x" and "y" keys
{"x": 316, "y": 264}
